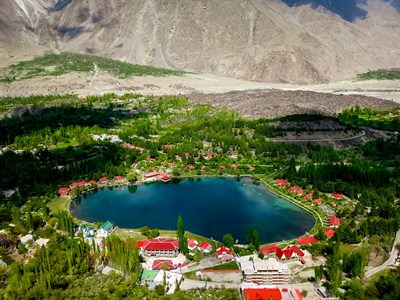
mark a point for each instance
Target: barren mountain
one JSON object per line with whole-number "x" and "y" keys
{"x": 271, "y": 41}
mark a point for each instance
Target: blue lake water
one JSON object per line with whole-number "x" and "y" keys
{"x": 210, "y": 207}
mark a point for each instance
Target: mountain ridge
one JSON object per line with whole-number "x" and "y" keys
{"x": 254, "y": 40}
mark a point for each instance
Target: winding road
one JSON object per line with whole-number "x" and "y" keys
{"x": 392, "y": 258}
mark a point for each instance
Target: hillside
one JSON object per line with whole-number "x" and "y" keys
{"x": 268, "y": 41}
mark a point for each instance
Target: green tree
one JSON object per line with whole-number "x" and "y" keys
{"x": 252, "y": 238}
{"x": 183, "y": 245}
{"x": 228, "y": 240}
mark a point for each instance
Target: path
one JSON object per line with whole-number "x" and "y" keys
{"x": 95, "y": 74}
{"x": 321, "y": 140}
{"x": 392, "y": 258}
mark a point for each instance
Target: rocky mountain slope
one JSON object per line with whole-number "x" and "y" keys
{"x": 249, "y": 39}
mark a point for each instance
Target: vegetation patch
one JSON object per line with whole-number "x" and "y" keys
{"x": 51, "y": 64}
{"x": 232, "y": 265}
{"x": 380, "y": 74}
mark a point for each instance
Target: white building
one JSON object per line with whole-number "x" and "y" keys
{"x": 261, "y": 271}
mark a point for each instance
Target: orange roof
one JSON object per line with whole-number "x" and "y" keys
{"x": 234, "y": 166}
{"x": 262, "y": 294}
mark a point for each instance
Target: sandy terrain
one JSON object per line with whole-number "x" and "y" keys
{"x": 250, "y": 99}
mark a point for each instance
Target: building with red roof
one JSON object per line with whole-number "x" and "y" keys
{"x": 177, "y": 157}
{"x": 337, "y": 196}
{"x": 262, "y": 294}
{"x": 73, "y": 185}
{"x": 334, "y": 221}
{"x": 288, "y": 253}
{"x": 159, "y": 247}
{"x": 204, "y": 247}
{"x": 63, "y": 191}
{"x": 293, "y": 188}
{"x": 250, "y": 168}
{"x": 118, "y": 178}
{"x": 191, "y": 167}
{"x": 192, "y": 244}
{"x": 163, "y": 264}
{"x": 234, "y": 167}
{"x": 165, "y": 178}
{"x": 150, "y": 159}
{"x": 307, "y": 240}
{"x": 308, "y": 196}
{"x": 187, "y": 154}
{"x": 222, "y": 167}
{"x": 203, "y": 168}
{"x": 329, "y": 232}
{"x": 299, "y": 192}
{"x": 269, "y": 249}
{"x": 92, "y": 182}
{"x": 103, "y": 179}
{"x": 317, "y": 201}
{"x": 224, "y": 254}
{"x": 81, "y": 183}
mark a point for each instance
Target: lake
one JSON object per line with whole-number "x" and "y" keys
{"x": 209, "y": 207}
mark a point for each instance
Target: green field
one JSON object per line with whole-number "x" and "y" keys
{"x": 51, "y": 64}
{"x": 380, "y": 74}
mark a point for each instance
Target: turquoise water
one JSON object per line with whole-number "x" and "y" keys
{"x": 210, "y": 207}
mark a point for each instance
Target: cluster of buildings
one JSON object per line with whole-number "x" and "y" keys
{"x": 156, "y": 176}
{"x": 64, "y": 191}
{"x": 308, "y": 196}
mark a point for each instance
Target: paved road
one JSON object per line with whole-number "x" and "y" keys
{"x": 389, "y": 262}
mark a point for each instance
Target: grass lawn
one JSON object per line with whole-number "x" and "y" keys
{"x": 129, "y": 234}
{"x": 232, "y": 265}
{"x": 58, "y": 205}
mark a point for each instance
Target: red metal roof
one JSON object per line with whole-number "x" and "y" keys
{"x": 318, "y": 201}
{"x": 118, "y": 177}
{"x": 307, "y": 240}
{"x": 293, "y": 188}
{"x": 337, "y": 196}
{"x": 63, "y": 191}
{"x": 234, "y": 166}
{"x": 262, "y": 294}
{"x": 269, "y": 249}
{"x": 103, "y": 179}
{"x": 163, "y": 264}
{"x": 81, "y": 183}
{"x": 308, "y": 196}
{"x": 204, "y": 245}
{"x": 223, "y": 251}
{"x": 300, "y": 192}
{"x": 329, "y": 232}
{"x": 159, "y": 244}
{"x": 334, "y": 221}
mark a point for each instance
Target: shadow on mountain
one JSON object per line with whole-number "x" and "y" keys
{"x": 59, "y": 5}
{"x": 346, "y": 9}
